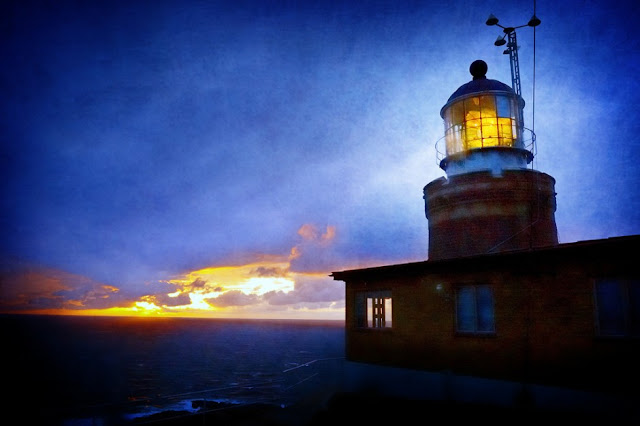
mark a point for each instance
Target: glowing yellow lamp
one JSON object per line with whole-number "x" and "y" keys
{"x": 482, "y": 114}
{"x": 481, "y": 121}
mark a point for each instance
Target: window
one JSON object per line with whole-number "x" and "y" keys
{"x": 618, "y": 307}
{"x": 373, "y": 309}
{"x": 474, "y": 309}
{"x": 482, "y": 121}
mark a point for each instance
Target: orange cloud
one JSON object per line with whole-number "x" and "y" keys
{"x": 255, "y": 286}
{"x": 308, "y": 232}
{"x": 315, "y": 253}
{"x": 329, "y": 235}
{"x": 32, "y": 288}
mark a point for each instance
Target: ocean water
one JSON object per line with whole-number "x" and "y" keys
{"x": 101, "y": 370}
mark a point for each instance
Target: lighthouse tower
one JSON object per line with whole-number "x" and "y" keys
{"x": 490, "y": 201}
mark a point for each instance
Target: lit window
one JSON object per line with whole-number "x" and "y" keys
{"x": 474, "y": 309}
{"x": 481, "y": 122}
{"x": 374, "y": 309}
{"x": 618, "y": 307}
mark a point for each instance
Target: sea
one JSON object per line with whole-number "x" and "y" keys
{"x": 77, "y": 370}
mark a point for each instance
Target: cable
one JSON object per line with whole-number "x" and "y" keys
{"x": 534, "y": 215}
{"x": 533, "y": 106}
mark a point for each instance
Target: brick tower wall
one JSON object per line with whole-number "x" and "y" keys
{"x": 478, "y": 213}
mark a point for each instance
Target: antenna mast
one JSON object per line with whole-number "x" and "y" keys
{"x": 512, "y": 47}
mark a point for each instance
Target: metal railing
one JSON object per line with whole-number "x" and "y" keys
{"x": 529, "y": 143}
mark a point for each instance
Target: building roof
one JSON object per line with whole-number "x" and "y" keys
{"x": 615, "y": 246}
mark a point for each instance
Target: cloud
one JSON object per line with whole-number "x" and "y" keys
{"x": 310, "y": 232}
{"x": 198, "y": 285}
{"x": 263, "y": 271}
{"x": 182, "y": 299}
{"x": 26, "y": 287}
{"x": 93, "y": 296}
{"x": 263, "y": 284}
{"x": 316, "y": 251}
{"x": 30, "y": 288}
{"x": 308, "y": 289}
{"x": 234, "y": 298}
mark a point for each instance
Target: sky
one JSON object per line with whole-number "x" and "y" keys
{"x": 222, "y": 158}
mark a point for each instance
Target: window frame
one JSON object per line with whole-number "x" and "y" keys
{"x": 383, "y": 319}
{"x": 476, "y": 313}
{"x": 629, "y": 304}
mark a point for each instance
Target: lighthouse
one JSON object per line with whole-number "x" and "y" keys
{"x": 490, "y": 200}
{"x": 500, "y": 311}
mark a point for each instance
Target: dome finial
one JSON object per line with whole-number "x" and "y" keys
{"x": 478, "y": 69}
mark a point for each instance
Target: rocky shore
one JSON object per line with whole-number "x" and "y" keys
{"x": 358, "y": 408}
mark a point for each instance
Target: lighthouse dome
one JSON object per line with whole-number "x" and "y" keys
{"x": 480, "y": 83}
{"x": 483, "y": 126}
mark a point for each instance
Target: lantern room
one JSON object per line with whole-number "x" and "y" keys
{"x": 490, "y": 201}
{"x": 484, "y": 128}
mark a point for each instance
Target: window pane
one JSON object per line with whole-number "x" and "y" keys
{"x": 387, "y": 310}
{"x": 457, "y": 113}
{"x": 452, "y": 140}
{"x": 472, "y": 108}
{"x": 505, "y": 131}
{"x": 465, "y": 309}
{"x": 610, "y": 308}
{"x": 488, "y": 106}
{"x": 447, "y": 119}
{"x": 502, "y": 104}
{"x": 361, "y": 310}
{"x": 489, "y": 132}
{"x": 484, "y": 298}
{"x": 514, "y": 109}
{"x": 374, "y": 309}
{"x": 378, "y": 312}
{"x": 473, "y": 134}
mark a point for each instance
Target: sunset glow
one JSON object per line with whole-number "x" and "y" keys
{"x": 266, "y": 286}
{"x": 210, "y": 159}
{"x": 145, "y": 307}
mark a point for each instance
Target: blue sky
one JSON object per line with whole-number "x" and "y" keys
{"x": 165, "y": 154}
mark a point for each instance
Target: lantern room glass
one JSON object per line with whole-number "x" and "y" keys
{"x": 489, "y": 120}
